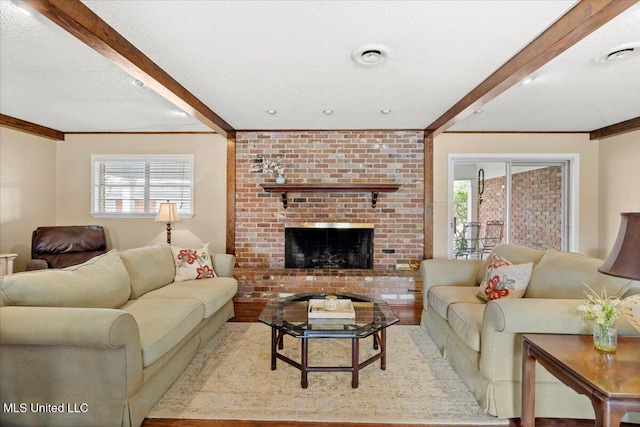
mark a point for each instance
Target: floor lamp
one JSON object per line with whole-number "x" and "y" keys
{"x": 168, "y": 213}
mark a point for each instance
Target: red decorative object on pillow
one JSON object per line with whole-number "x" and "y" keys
{"x": 192, "y": 264}
{"x": 503, "y": 279}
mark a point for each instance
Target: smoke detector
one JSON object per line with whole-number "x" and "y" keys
{"x": 372, "y": 54}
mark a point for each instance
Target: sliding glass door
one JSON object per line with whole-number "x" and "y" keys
{"x": 509, "y": 200}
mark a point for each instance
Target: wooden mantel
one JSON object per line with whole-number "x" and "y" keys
{"x": 331, "y": 187}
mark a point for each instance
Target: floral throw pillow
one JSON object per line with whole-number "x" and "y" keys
{"x": 504, "y": 280}
{"x": 192, "y": 264}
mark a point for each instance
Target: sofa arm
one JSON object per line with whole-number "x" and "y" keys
{"x": 444, "y": 272}
{"x": 534, "y": 315}
{"x": 223, "y": 264}
{"x": 506, "y": 320}
{"x": 63, "y": 350}
{"x": 541, "y": 316}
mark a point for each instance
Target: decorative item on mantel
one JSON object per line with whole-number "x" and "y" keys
{"x": 261, "y": 164}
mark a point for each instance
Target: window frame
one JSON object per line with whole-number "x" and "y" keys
{"x": 147, "y": 159}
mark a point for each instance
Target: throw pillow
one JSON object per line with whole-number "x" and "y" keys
{"x": 504, "y": 280}
{"x": 192, "y": 264}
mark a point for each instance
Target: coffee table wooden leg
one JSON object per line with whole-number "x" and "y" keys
{"x": 305, "y": 363}
{"x": 376, "y": 341}
{"x": 274, "y": 341}
{"x": 280, "y": 341}
{"x": 383, "y": 349}
{"x": 355, "y": 362}
{"x": 528, "y": 408}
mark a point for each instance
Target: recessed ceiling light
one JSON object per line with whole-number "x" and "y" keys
{"x": 371, "y": 54}
{"x": 527, "y": 80}
{"x": 385, "y": 111}
{"x": 181, "y": 113}
{"x": 478, "y": 111}
{"x": 272, "y": 112}
{"x": 137, "y": 82}
{"x": 327, "y": 112}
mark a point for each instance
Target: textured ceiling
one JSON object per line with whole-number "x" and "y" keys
{"x": 241, "y": 58}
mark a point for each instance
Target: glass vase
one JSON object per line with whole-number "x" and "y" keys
{"x": 280, "y": 179}
{"x": 605, "y": 337}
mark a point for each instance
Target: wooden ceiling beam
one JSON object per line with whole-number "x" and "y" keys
{"x": 580, "y": 21}
{"x": 32, "y": 128}
{"x": 616, "y": 129}
{"x": 76, "y": 18}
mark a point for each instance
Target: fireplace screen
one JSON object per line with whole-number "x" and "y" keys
{"x": 328, "y": 245}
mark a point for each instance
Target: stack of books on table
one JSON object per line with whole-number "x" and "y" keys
{"x": 343, "y": 315}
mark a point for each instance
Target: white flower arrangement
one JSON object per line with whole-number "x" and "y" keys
{"x": 260, "y": 164}
{"x": 601, "y": 309}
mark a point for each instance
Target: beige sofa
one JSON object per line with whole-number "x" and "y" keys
{"x": 99, "y": 343}
{"x": 483, "y": 341}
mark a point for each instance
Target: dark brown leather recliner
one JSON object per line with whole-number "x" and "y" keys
{"x": 63, "y": 246}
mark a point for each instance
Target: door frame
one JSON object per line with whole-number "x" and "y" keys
{"x": 572, "y": 198}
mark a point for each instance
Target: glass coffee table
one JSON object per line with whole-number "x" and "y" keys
{"x": 290, "y": 316}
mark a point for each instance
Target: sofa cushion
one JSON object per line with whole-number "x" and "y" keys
{"x": 149, "y": 267}
{"x": 466, "y": 321}
{"x": 516, "y": 254}
{"x": 101, "y": 282}
{"x": 163, "y": 323}
{"x": 192, "y": 264}
{"x": 504, "y": 280}
{"x": 212, "y": 293}
{"x": 441, "y": 297}
{"x": 565, "y": 274}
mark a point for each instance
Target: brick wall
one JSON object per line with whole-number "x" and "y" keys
{"x": 536, "y": 198}
{"x": 330, "y": 156}
{"x": 537, "y": 208}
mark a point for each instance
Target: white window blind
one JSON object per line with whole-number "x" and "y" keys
{"x": 135, "y": 185}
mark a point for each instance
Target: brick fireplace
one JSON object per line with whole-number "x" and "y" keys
{"x": 339, "y": 157}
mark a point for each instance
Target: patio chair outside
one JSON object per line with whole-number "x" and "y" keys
{"x": 493, "y": 233}
{"x": 467, "y": 244}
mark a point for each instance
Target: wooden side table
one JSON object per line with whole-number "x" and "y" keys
{"x": 6, "y": 263}
{"x": 610, "y": 380}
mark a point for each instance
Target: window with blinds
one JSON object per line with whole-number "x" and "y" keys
{"x": 135, "y": 185}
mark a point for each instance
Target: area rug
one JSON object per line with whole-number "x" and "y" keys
{"x": 231, "y": 379}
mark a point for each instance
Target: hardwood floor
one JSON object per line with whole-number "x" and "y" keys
{"x": 409, "y": 315}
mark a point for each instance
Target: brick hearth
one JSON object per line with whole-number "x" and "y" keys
{"x": 261, "y": 284}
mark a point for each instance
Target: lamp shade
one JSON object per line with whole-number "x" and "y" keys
{"x": 168, "y": 212}
{"x": 624, "y": 259}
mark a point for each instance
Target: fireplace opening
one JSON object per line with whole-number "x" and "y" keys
{"x": 328, "y": 245}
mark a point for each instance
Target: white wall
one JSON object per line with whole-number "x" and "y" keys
{"x": 209, "y": 221}
{"x": 465, "y": 143}
{"x": 619, "y": 185}
{"x": 27, "y": 190}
